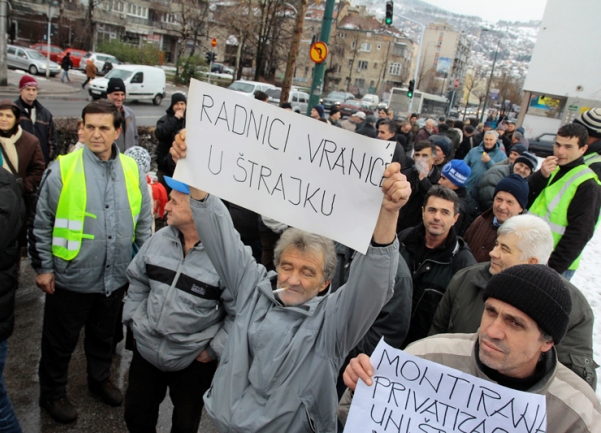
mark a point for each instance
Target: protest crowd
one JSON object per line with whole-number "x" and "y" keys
{"x": 267, "y": 327}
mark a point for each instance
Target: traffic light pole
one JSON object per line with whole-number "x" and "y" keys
{"x": 318, "y": 72}
{"x": 419, "y": 53}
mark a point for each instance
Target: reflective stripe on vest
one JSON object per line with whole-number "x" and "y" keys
{"x": 68, "y": 233}
{"x": 593, "y": 158}
{"x": 553, "y": 202}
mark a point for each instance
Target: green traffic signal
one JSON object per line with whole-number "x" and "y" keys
{"x": 388, "y": 20}
{"x": 410, "y": 94}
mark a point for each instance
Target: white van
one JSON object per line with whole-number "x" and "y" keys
{"x": 370, "y": 101}
{"x": 141, "y": 83}
{"x": 248, "y": 88}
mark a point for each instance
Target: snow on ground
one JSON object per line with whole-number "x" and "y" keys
{"x": 584, "y": 279}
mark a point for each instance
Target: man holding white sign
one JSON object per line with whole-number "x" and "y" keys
{"x": 514, "y": 347}
{"x": 279, "y": 368}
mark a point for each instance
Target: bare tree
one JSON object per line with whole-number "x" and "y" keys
{"x": 294, "y": 46}
{"x": 474, "y": 84}
{"x": 188, "y": 22}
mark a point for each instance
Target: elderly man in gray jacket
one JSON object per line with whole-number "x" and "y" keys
{"x": 175, "y": 306}
{"x": 279, "y": 367}
{"x": 93, "y": 204}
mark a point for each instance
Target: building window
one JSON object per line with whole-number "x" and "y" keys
{"x": 353, "y": 45}
{"x": 359, "y": 82}
{"x": 366, "y": 47}
{"x": 362, "y": 64}
{"x": 375, "y": 65}
{"x": 395, "y": 68}
{"x": 338, "y": 69}
{"x": 350, "y": 63}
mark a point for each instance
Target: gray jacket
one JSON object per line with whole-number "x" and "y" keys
{"x": 280, "y": 364}
{"x": 129, "y": 130}
{"x": 175, "y": 305}
{"x": 101, "y": 263}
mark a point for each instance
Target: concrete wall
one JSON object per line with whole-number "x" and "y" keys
{"x": 566, "y": 60}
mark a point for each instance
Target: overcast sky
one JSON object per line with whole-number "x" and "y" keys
{"x": 495, "y": 10}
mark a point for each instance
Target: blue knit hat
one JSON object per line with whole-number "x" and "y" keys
{"x": 457, "y": 171}
{"x": 319, "y": 108}
{"x": 515, "y": 185}
{"x": 444, "y": 146}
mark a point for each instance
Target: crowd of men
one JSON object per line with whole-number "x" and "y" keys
{"x": 263, "y": 324}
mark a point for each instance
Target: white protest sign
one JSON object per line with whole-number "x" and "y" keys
{"x": 283, "y": 165}
{"x": 411, "y": 394}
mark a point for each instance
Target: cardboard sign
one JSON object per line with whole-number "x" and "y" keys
{"x": 283, "y": 165}
{"x": 411, "y": 394}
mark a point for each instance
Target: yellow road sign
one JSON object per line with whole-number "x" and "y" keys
{"x": 318, "y": 52}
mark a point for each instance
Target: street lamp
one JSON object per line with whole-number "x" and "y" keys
{"x": 50, "y": 13}
{"x": 492, "y": 71}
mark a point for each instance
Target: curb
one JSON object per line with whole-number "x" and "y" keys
{"x": 41, "y": 92}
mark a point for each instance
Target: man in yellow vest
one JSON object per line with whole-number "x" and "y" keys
{"x": 92, "y": 213}
{"x": 566, "y": 193}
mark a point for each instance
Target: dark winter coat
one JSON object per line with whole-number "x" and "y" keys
{"x": 167, "y": 128}
{"x": 12, "y": 215}
{"x": 594, "y": 149}
{"x": 488, "y": 182}
{"x": 583, "y": 214}
{"x": 465, "y": 219}
{"x": 466, "y": 145}
{"x": 411, "y": 214}
{"x": 481, "y": 236}
{"x": 66, "y": 63}
{"x": 461, "y": 308}
{"x": 368, "y": 130}
{"x": 31, "y": 161}
{"x": 43, "y": 129}
{"x": 431, "y": 272}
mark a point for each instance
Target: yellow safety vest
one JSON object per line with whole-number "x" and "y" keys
{"x": 68, "y": 232}
{"x": 593, "y": 158}
{"x": 553, "y": 202}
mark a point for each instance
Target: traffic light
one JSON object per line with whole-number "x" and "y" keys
{"x": 410, "y": 88}
{"x": 208, "y": 56}
{"x": 213, "y": 56}
{"x": 389, "y": 8}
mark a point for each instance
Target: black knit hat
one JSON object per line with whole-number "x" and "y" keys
{"x": 115, "y": 85}
{"x": 537, "y": 291}
{"x": 178, "y": 97}
{"x": 515, "y": 185}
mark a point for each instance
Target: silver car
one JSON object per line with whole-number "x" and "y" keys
{"x": 30, "y": 60}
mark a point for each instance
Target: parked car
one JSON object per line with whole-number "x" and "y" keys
{"x": 299, "y": 100}
{"x": 336, "y": 98}
{"x": 98, "y": 59}
{"x": 248, "y": 88}
{"x": 29, "y": 60}
{"x": 141, "y": 83}
{"x": 543, "y": 144}
{"x": 76, "y": 56}
{"x": 370, "y": 101}
{"x": 353, "y": 105}
{"x": 55, "y": 50}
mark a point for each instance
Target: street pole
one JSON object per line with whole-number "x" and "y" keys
{"x": 492, "y": 70}
{"x": 318, "y": 72}
{"x": 419, "y": 52}
{"x": 49, "y": 35}
{"x": 294, "y": 46}
{"x": 3, "y": 36}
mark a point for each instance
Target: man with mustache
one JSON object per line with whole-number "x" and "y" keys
{"x": 526, "y": 313}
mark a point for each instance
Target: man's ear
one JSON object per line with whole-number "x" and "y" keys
{"x": 546, "y": 346}
{"x": 533, "y": 261}
{"x": 324, "y": 286}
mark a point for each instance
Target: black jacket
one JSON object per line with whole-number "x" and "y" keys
{"x": 66, "y": 63}
{"x": 411, "y": 214}
{"x": 431, "y": 272}
{"x": 583, "y": 214}
{"x": 167, "y": 127}
{"x": 464, "y": 220}
{"x": 392, "y": 323}
{"x": 43, "y": 129}
{"x": 466, "y": 145}
{"x": 12, "y": 214}
{"x": 368, "y": 130}
{"x": 595, "y": 148}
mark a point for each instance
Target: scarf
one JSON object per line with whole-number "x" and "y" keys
{"x": 8, "y": 144}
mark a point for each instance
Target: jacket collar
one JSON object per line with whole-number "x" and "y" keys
{"x": 415, "y": 240}
{"x": 307, "y": 309}
{"x": 91, "y": 156}
{"x": 594, "y": 147}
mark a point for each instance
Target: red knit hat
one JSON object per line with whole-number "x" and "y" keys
{"x": 27, "y": 81}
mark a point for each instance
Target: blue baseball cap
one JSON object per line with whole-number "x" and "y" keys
{"x": 177, "y": 185}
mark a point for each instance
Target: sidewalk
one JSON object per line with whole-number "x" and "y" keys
{"x": 46, "y": 86}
